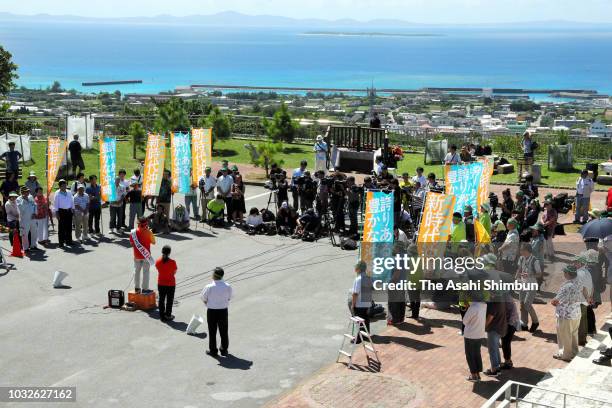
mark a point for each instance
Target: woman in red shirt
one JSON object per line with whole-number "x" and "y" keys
{"x": 166, "y": 268}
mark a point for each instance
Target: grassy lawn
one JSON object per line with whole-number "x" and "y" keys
{"x": 234, "y": 151}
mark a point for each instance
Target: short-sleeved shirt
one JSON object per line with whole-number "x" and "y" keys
{"x": 362, "y": 286}
{"x": 165, "y": 272}
{"x": 165, "y": 191}
{"x": 12, "y": 159}
{"x": 569, "y": 297}
{"x": 94, "y": 197}
{"x": 499, "y": 323}
{"x": 75, "y": 150}
{"x": 146, "y": 238}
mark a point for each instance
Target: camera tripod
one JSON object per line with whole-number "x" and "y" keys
{"x": 327, "y": 227}
{"x": 272, "y": 199}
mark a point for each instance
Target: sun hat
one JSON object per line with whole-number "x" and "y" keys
{"x": 520, "y": 193}
{"x": 32, "y": 174}
{"x": 570, "y": 270}
{"x": 319, "y": 138}
{"x": 591, "y": 256}
{"x": 490, "y": 259}
{"x": 538, "y": 226}
{"x": 13, "y": 194}
{"x": 499, "y": 226}
{"x": 486, "y": 206}
{"x": 234, "y": 168}
{"x": 80, "y": 186}
{"x": 468, "y": 208}
{"x": 513, "y": 221}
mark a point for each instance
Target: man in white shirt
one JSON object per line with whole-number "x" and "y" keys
{"x": 63, "y": 207}
{"x": 361, "y": 294}
{"x": 474, "y": 322}
{"x": 216, "y": 296}
{"x": 224, "y": 187}
{"x": 27, "y": 225}
{"x": 508, "y": 251}
{"x": 125, "y": 184}
{"x": 207, "y": 184}
{"x": 419, "y": 178}
{"x": 320, "y": 149}
{"x": 584, "y": 188}
{"x": 452, "y": 157}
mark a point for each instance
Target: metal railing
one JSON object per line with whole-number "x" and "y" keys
{"x": 510, "y": 395}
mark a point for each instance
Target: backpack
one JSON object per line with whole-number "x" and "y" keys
{"x": 348, "y": 244}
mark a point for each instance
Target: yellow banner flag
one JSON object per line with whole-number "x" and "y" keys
{"x": 56, "y": 150}
{"x": 201, "y": 153}
{"x": 154, "y": 165}
{"x": 485, "y": 181}
{"x": 482, "y": 236}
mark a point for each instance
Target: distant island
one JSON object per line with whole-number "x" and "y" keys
{"x": 370, "y": 34}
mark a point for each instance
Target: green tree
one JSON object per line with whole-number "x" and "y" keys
{"x": 267, "y": 154}
{"x": 219, "y": 123}
{"x": 171, "y": 116}
{"x": 282, "y": 127}
{"x": 56, "y": 87}
{"x": 8, "y": 72}
{"x": 138, "y": 134}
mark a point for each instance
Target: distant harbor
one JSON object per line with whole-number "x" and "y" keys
{"x": 370, "y": 34}
{"x": 103, "y": 83}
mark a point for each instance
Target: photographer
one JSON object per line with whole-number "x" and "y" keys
{"x": 308, "y": 191}
{"x": 322, "y": 197}
{"x": 296, "y": 180}
{"x": 286, "y": 219}
{"x": 308, "y": 225}
{"x": 353, "y": 195}
{"x": 338, "y": 194}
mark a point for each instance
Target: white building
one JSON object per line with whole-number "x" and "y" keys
{"x": 600, "y": 129}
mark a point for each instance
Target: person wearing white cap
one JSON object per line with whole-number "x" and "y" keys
{"x": 27, "y": 224}
{"x": 32, "y": 183}
{"x": 81, "y": 213}
{"x": 320, "y": 149}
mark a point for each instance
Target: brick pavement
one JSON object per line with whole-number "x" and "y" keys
{"x": 428, "y": 357}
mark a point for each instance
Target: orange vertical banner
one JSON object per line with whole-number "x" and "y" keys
{"x": 201, "y": 153}
{"x": 485, "y": 181}
{"x": 154, "y": 164}
{"x": 56, "y": 151}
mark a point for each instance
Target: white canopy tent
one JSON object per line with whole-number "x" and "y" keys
{"x": 22, "y": 144}
{"x": 82, "y": 126}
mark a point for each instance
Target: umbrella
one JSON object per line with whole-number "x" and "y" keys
{"x": 598, "y": 229}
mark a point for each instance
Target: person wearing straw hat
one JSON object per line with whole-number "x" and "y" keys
{"x": 484, "y": 217}
{"x": 32, "y": 183}
{"x": 81, "y": 214}
{"x": 216, "y": 296}
{"x": 584, "y": 280}
{"x": 567, "y": 311}
{"x": 498, "y": 233}
{"x": 320, "y": 149}
{"x": 12, "y": 212}
{"x": 508, "y": 251}
{"x": 27, "y": 224}
{"x": 63, "y": 208}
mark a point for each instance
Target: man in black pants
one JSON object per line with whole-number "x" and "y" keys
{"x": 361, "y": 295}
{"x": 216, "y": 296}
{"x": 64, "y": 206}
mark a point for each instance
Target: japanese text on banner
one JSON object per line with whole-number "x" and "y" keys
{"x": 154, "y": 165}
{"x": 181, "y": 162}
{"x": 462, "y": 181}
{"x": 108, "y": 159}
{"x": 56, "y": 149}
{"x": 201, "y": 150}
{"x": 485, "y": 181}
{"x": 436, "y": 223}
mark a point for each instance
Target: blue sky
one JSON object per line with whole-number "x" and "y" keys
{"x": 420, "y": 11}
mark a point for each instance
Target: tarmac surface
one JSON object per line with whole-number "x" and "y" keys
{"x": 286, "y": 320}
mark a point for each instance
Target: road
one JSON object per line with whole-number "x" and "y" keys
{"x": 286, "y": 320}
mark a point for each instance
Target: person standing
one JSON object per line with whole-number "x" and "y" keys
{"x": 458, "y": 233}
{"x": 95, "y": 205}
{"x": 116, "y": 206}
{"x": 320, "y": 149}
{"x": 141, "y": 239}
{"x": 191, "y": 202}
{"x": 584, "y": 188}
{"x": 296, "y": 179}
{"x": 361, "y": 295}
{"x": 27, "y": 224}
{"x": 32, "y": 183}
{"x": 63, "y": 206}
{"x": 549, "y": 220}
{"x": 452, "y": 157}
{"x": 529, "y": 268}
{"x": 474, "y": 322}
{"x": 134, "y": 198}
{"x": 165, "y": 192}
{"x": 206, "y": 184}
{"x": 224, "y": 187}
{"x": 216, "y": 296}
{"x": 81, "y": 214}
{"x": 484, "y": 217}
{"x": 513, "y": 320}
{"x": 75, "y": 154}
{"x": 527, "y": 145}
{"x": 496, "y": 325}
{"x": 41, "y": 218}
{"x": 12, "y": 157}
{"x": 125, "y": 183}
{"x": 166, "y": 284}
{"x": 567, "y": 311}
{"x": 508, "y": 251}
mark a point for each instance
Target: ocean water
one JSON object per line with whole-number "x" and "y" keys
{"x": 166, "y": 56}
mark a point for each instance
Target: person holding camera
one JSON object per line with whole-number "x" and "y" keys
{"x": 353, "y": 196}
{"x": 338, "y": 196}
{"x": 296, "y": 180}
{"x": 308, "y": 192}
{"x": 322, "y": 197}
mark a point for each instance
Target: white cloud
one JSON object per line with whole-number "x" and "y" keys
{"x": 421, "y": 11}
